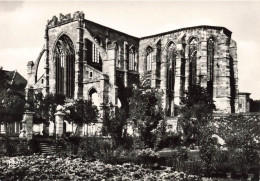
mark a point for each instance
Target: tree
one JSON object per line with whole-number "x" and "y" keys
{"x": 12, "y": 100}
{"x": 82, "y": 112}
{"x": 115, "y": 123}
{"x": 197, "y": 122}
{"x": 145, "y": 111}
{"x": 254, "y": 105}
{"x": 196, "y": 115}
{"x": 242, "y": 137}
{"x": 45, "y": 107}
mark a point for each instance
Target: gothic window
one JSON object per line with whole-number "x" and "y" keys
{"x": 126, "y": 55}
{"x": 193, "y": 45}
{"x": 149, "y": 59}
{"x": 91, "y": 54}
{"x": 117, "y": 56}
{"x": 158, "y": 58}
{"x": 210, "y": 66}
{"x": 87, "y": 49}
{"x": 132, "y": 63}
{"x": 171, "y": 61}
{"x": 95, "y": 52}
{"x": 64, "y": 55}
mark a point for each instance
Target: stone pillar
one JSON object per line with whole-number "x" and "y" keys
{"x": 110, "y": 70}
{"x": 202, "y": 64}
{"x": 236, "y": 81}
{"x": 104, "y": 93}
{"x": 154, "y": 67}
{"x": 23, "y": 131}
{"x": 78, "y": 93}
{"x": 30, "y": 74}
{"x": 233, "y": 53}
{"x": 163, "y": 83}
{"x": 28, "y": 124}
{"x": 46, "y": 87}
{"x": 59, "y": 119}
{"x": 187, "y": 67}
{"x": 222, "y": 88}
{"x": 178, "y": 76}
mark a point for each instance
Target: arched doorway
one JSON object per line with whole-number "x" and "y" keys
{"x": 64, "y": 56}
{"x": 93, "y": 95}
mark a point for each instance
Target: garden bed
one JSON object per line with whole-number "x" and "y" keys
{"x": 37, "y": 167}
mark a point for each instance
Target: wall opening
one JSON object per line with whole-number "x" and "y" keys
{"x": 93, "y": 95}
{"x": 210, "y": 67}
{"x": 171, "y": 66}
{"x": 193, "y": 62}
{"x": 64, "y": 55}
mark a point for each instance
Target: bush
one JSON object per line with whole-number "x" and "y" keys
{"x": 169, "y": 140}
{"x": 15, "y": 146}
{"x": 148, "y": 157}
{"x": 122, "y": 156}
{"x": 34, "y": 146}
{"x": 67, "y": 146}
{"x": 93, "y": 148}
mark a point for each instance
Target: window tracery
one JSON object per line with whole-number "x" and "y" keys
{"x": 132, "y": 63}
{"x": 210, "y": 66}
{"x": 149, "y": 58}
{"x": 64, "y": 55}
{"x": 193, "y": 45}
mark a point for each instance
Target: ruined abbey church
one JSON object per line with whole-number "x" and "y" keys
{"x": 83, "y": 58}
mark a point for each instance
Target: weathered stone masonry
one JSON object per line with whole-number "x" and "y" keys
{"x": 83, "y": 57}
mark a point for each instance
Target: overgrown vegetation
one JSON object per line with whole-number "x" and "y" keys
{"x": 145, "y": 113}
{"x": 12, "y": 101}
{"x": 194, "y": 149}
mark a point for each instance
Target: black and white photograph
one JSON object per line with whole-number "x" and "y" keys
{"x": 129, "y": 90}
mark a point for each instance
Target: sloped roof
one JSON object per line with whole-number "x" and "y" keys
{"x": 16, "y": 79}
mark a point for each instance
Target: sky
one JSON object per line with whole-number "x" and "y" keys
{"x": 22, "y": 25}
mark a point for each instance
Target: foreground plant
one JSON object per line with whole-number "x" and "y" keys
{"x": 54, "y": 168}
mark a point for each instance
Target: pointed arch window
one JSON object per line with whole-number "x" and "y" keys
{"x": 132, "y": 63}
{"x": 193, "y": 45}
{"x": 95, "y": 52}
{"x": 149, "y": 59}
{"x": 171, "y": 59}
{"x": 91, "y": 54}
{"x": 210, "y": 66}
{"x": 64, "y": 55}
{"x": 117, "y": 56}
{"x": 158, "y": 59}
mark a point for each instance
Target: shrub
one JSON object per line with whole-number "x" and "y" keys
{"x": 67, "y": 146}
{"x": 169, "y": 140}
{"x": 34, "y": 146}
{"x": 122, "y": 156}
{"x": 148, "y": 157}
{"x": 95, "y": 148}
{"x": 16, "y": 146}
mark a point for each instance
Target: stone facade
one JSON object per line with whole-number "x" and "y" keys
{"x": 83, "y": 57}
{"x": 244, "y": 102}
